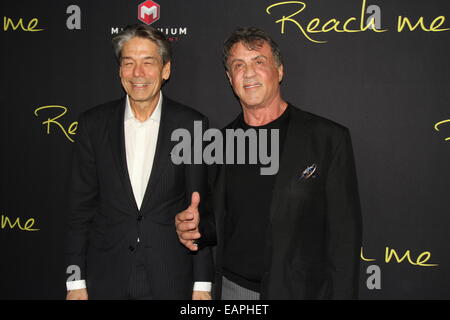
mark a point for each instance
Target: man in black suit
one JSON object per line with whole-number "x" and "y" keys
{"x": 125, "y": 190}
{"x": 295, "y": 234}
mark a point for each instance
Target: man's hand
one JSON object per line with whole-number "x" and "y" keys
{"x": 79, "y": 294}
{"x": 201, "y": 295}
{"x": 187, "y": 223}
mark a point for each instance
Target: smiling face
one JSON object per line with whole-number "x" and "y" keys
{"x": 254, "y": 75}
{"x": 141, "y": 70}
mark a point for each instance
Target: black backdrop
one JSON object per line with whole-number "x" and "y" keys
{"x": 390, "y": 88}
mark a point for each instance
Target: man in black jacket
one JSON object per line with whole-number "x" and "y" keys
{"x": 125, "y": 190}
{"x": 295, "y": 234}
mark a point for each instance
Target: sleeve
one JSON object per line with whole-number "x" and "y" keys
{"x": 83, "y": 201}
{"x": 197, "y": 180}
{"x": 207, "y": 225}
{"x": 344, "y": 220}
{"x": 202, "y": 286}
{"x": 76, "y": 285}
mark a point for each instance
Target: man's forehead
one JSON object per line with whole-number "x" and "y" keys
{"x": 255, "y": 48}
{"x": 137, "y": 44}
{"x": 140, "y": 48}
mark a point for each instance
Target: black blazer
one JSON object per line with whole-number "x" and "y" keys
{"x": 315, "y": 230}
{"x": 104, "y": 221}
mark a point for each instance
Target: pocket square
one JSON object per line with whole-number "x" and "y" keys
{"x": 309, "y": 172}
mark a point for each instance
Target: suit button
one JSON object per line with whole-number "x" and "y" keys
{"x": 139, "y": 218}
{"x": 131, "y": 248}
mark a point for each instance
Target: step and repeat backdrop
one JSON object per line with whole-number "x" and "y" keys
{"x": 379, "y": 67}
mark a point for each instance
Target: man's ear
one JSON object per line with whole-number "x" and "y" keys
{"x": 280, "y": 73}
{"x": 166, "y": 71}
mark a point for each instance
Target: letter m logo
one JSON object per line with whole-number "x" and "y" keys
{"x": 148, "y": 12}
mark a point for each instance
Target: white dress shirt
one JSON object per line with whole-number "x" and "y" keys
{"x": 140, "y": 146}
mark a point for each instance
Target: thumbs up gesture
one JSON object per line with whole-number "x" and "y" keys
{"x": 186, "y": 223}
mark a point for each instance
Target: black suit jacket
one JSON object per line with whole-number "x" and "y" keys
{"x": 104, "y": 221}
{"x": 314, "y": 235}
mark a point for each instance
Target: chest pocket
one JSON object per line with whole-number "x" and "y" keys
{"x": 307, "y": 186}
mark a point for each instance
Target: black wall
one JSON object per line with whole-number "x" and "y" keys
{"x": 390, "y": 88}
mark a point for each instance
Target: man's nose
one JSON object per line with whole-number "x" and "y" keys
{"x": 249, "y": 71}
{"x": 138, "y": 70}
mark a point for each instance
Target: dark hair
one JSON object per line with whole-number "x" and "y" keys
{"x": 146, "y": 32}
{"x": 253, "y": 38}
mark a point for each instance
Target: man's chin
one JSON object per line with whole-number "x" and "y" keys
{"x": 139, "y": 98}
{"x": 252, "y": 105}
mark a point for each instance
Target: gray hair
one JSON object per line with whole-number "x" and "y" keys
{"x": 253, "y": 38}
{"x": 145, "y": 32}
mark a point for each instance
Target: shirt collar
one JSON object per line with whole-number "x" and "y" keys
{"x": 156, "y": 115}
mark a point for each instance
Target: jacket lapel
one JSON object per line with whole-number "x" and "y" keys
{"x": 296, "y": 138}
{"x": 163, "y": 149}
{"x": 117, "y": 142}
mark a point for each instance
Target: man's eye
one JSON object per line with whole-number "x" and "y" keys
{"x": 237, "y": 66}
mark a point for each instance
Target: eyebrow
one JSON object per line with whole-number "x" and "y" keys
{"x": 254, "y": 58}
{"x": 260, "y": 56}
{"x": 146, "y": 58}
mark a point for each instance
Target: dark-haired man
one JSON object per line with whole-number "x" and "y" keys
{"x": 125, "y": 191}
{"x": 295, "y": 234}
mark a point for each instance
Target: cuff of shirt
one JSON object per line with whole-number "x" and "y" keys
{"x": 81, "y": 284}
{"x": 202, "y": 286}
{"x": 75, "y": 285}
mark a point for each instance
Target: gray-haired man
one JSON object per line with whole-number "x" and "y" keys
{"x": 125, "y": 191}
